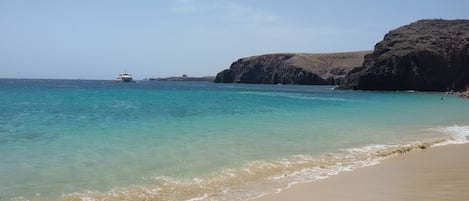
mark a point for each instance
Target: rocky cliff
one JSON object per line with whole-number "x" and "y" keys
{"x": 292, "y": 68}
{"x": 427, "y": 55}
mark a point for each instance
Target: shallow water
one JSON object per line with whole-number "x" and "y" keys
{"x": 101, "y": 140}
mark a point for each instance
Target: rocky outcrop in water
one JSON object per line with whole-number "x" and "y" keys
{"x": 292, "y": 68}
{"x": 428, "y": 55}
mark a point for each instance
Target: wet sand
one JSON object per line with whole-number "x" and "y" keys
{"x": 439, "y": 173}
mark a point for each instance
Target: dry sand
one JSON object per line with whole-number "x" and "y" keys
{"x": 439, "y": 173}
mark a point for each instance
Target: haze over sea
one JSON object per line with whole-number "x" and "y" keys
{"x": 151, "y": 140}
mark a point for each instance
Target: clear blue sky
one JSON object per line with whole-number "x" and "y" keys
{"x": 97, "y": 39}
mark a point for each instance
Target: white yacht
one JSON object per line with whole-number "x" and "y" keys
{"x": 124, "y": 77}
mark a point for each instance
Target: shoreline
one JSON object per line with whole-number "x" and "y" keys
{"x": 323, "y": 183}
{"x": 437, "y": 173}
{"x": 254, "y": 181}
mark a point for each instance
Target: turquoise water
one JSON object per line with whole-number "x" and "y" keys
{"x": 101, "y": 140}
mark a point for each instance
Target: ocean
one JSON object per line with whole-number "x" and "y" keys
{"x": 167, "y": 140}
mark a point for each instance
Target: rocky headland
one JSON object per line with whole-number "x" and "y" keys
{"x": 292, "y": 68}
{"x": 427, "y": 55}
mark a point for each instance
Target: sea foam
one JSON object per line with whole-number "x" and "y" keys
{"x": 457, "y": 133}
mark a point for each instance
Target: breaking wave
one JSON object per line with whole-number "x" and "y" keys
{"x": 261, "y": 177}
{"x": 258, "y": 178}
{"x": 458, "y": 134}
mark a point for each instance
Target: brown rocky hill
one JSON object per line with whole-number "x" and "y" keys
{"x": 292, "y": 68}
{"x": 427, "y": 55}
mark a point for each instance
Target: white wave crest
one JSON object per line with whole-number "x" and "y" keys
{"x": 457, "y": 133}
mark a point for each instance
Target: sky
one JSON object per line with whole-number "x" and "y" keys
{"x": 98, "y": 39}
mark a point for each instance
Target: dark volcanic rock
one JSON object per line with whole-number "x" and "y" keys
{"x": 428, "y": 55}
{"x": 292, "y": 68}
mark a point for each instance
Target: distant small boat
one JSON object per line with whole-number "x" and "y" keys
{"x": 124, "y": 77}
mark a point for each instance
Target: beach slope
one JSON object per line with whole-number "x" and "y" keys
{"x": 440, "y": 173}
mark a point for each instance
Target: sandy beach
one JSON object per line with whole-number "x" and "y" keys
{"x": 438, "y": 173}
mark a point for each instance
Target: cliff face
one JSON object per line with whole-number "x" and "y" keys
{"x": 428, "y": 55}
{"x": 292, "y": 68}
